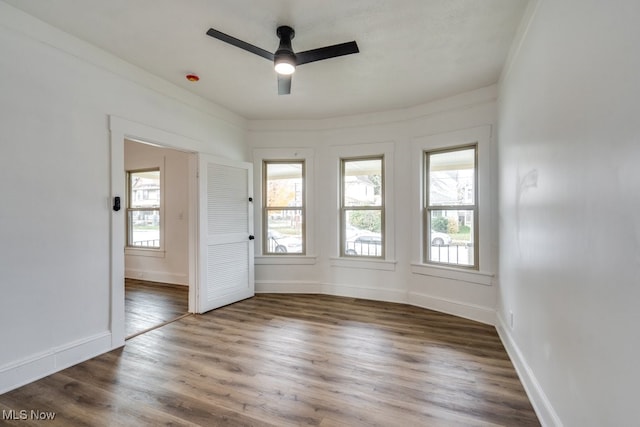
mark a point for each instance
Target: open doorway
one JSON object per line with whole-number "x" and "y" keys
{"x": 214, "y": 184}
{"x": 149, "y": 305}
{"x": 157, "y": 236}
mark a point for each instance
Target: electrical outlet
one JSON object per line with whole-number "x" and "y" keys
{"x": 511, "y": 319}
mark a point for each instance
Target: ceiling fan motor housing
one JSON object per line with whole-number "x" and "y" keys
{"x": 285, "y": 51}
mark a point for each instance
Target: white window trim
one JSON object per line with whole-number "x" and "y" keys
{"x": 338, "y": 152}
{"x": 481, "y": 136}
{"x": 364, "y": 262}
{"x": 149, "y": 252}
{"x": 141, "y": 251}
{"x": 260, "y": 155}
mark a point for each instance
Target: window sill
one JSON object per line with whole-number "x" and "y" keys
{"x": 285, "y": 260}
{"x": 369, "y": 264}
{"x": 470, "y": 276}
{"x": 156, "y": 253}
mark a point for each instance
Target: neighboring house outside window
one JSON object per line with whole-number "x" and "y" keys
{"x": 362, "y": 207}
{"x": 143, "y": 209}
{"x": 284, "y": 207}
{"x": 451, "y": 208}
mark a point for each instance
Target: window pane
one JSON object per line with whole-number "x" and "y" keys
{"x": 144, "y": 228}
{"x": 284, "y": 232}
{"x": 363, "y": 232}
{"x": 284, "y": 184}
{"x": 283, "y": 195}
{"x": 452, "y": 178}
{"x": 451, "y": 237}
{"x": 145, "y": 189}
{"x": 362, "y": 182}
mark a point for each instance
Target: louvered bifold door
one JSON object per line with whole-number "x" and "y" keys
{"x": 225, "y": 233}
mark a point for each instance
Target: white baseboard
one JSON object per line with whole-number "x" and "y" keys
{"x": 301, "y": 287}
{"x": 287, "y": 287}
{"x": 38, "y": 366}
{"x": 541, "y": 404}
{"x": 461, "y": 309}
{"x": 376, "y": 294}
{"x": 157, "y": 276}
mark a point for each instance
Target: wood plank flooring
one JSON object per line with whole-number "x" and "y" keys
{"x": 149, "y": 304}
{"x": 289, "y": 360}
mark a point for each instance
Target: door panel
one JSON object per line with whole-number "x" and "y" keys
{"x": 225, "y": 226}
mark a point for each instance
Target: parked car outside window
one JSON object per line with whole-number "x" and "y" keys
{"x": 280, "y": 243}
{"x": 440, "y": 239}
{"x": 367, "y": 244}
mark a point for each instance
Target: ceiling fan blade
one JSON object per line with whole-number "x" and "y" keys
{"x": 284, "y": 85}
{"x": 327, "y": 52}
{"x": 239, "y": 43}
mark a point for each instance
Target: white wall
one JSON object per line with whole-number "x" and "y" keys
{"x": 57, "y": 96}
{"x": 569, "y": 149}
{"x": 170, "y": 264}
{"x": 400, "y": 135}
{"x": 569, "y": 197}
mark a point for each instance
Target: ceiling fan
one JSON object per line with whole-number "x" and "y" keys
{"x": 285, "y": 60}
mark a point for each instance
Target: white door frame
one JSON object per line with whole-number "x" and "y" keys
{"x": 121, "y": 129}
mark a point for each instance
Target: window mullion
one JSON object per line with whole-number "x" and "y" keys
{"x": 451, "y": 207}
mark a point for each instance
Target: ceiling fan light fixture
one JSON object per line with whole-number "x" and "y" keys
{"x": 284, "y": 60}
{"x": 284, "y": 66}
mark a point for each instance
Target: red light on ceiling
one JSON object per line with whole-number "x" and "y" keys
{"x": 192, "y": 77}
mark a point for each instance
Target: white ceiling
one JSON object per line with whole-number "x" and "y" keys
{"x": 411, "y": 51}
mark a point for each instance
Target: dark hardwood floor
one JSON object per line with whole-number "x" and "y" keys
{"x": 150, "y": 304}
{"x": 287, "y": 360}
